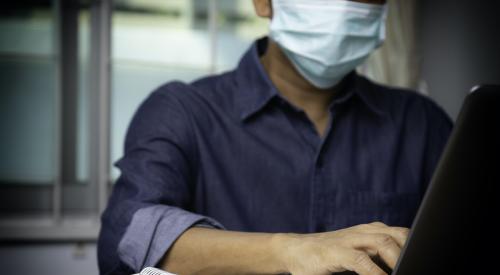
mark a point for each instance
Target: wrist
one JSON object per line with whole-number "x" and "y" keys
{"x": 281, "y": 244}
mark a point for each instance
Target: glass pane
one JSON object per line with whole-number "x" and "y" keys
{"x": 238, "y": 27}
{"x": 83, "y": 105}
{"x": 154, "y": 41}
{"x": 28, "y": 80}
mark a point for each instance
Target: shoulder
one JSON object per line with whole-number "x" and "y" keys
{"x": 210, "y": 86}
{"x": 408, "y": 106}
{"x": 209, "y": 93}
{"x": 161, "y": 114}
{"x": 176, "y": 103}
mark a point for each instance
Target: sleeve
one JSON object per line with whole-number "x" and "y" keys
{"x": 149, "y": 206}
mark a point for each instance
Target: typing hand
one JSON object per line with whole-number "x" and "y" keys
{"x": 352, "y": 249}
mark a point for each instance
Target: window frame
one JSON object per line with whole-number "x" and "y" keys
{"x": 67, "y": 210}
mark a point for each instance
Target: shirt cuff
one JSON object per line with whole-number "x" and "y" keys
{"x": 153, "y": 230}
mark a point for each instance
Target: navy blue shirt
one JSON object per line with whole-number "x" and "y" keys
{"x": 228, "y": 151}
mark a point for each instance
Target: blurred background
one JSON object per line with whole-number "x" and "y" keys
{"x": 73, "y": 72}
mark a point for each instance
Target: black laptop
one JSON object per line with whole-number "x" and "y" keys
{"x": 455, "y": 230}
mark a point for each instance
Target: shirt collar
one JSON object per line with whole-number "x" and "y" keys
{"x": 364, "y": 90}
{"x": 255, "y": 89}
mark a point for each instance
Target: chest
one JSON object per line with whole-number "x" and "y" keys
{"x": 357, "y": 173}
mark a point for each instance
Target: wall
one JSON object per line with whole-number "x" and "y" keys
{"x": 460, "y": 42}
{"x": 49, "y": 259}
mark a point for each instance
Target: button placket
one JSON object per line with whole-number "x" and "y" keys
{"x": 319, "y": 196}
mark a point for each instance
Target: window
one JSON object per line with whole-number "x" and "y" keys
{"x": 72, "y": 74}
{"x": 48, "y": 186}
{"x": 158, "y": 41}
{"x": 29, "y": 78}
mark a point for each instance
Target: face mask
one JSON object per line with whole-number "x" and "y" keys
{"x": 327, "y": 39}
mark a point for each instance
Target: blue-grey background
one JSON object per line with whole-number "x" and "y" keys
{"x": 458, "y": 41}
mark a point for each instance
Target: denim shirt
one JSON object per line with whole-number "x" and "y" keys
{"x": 229, "y": 152}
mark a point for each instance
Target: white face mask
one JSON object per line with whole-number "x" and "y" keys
{"x": 327, "y": 39}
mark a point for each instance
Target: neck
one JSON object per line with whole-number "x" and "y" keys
{"x": 295, "y": 88}
{"x": 290, "y": 84}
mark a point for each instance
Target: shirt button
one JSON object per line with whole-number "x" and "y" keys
{"x": 319, "y": 164}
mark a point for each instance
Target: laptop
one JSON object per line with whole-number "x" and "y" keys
{"x": 454, "y": 231}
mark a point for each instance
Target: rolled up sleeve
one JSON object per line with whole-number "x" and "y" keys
{"x": 151, "y": 202}
{"x": 153, "y": 230}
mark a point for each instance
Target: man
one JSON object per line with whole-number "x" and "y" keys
{"x": 324, "y": 167}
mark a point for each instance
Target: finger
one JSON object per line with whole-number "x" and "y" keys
{"x": 361, "y": 263}
{"x": 379, "y": 224}
{"x": 400, "y": 234}
{"x": 386, "y": 248}
{"x": 381, "y": 245}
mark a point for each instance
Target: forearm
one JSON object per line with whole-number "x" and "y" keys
{"x": 210, "y": 251}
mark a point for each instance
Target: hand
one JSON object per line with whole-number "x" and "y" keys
{"x": 350, "y": 249}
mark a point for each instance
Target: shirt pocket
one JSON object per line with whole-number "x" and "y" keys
{"x": 391, "y": 208}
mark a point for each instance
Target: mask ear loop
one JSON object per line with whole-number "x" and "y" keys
{"x": 383, "y": 28}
